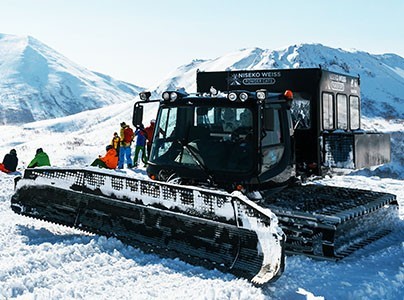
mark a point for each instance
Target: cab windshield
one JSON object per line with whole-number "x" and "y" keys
{"x": 211, "y": 138}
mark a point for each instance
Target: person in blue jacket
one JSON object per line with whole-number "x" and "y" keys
{"x": 140, "y": 135}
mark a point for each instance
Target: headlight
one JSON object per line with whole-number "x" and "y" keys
{"x": 243, "y": 96}
{"x": 261, "y": 95}
{"x": 173, "y": 96}
{"x": 213, "y": 91}
{"x": 145, "y": 96}
{"x": 166, "y": 96}
{"x": 232, "y": 96}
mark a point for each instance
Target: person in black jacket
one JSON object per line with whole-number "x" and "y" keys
{"x": 10, "y": 162}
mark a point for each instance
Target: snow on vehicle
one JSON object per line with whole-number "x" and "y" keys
{"x": 223, "y": 169}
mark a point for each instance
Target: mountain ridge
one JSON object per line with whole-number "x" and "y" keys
{"x": 382, "y": 75}
{"x": 38, "y": 83}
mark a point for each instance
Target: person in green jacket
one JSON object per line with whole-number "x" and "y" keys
{"x": 41, "y": 159}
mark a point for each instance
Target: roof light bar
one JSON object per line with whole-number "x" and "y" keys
{"x": 173, "y": 95}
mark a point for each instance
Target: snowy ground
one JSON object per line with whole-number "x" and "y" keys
{"x": 44, "y": 261}
{"x": 39, "y": 260}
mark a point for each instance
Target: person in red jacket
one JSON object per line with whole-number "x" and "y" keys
{"x": 126, "y": 135}
{"x": 108, "y": 161}
{"x": 149, "y": 136}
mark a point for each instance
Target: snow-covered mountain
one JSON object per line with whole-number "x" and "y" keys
{"x": 38, "y": 83}
{"x": 382, "y": 76}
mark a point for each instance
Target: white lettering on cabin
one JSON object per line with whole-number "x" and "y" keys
{"x": 254, "y": 81}
{"x": 339, "y": 78}
{"x": 337, "y": 86}
{"x": 253, "y": 78}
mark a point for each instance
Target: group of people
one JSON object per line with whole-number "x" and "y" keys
{"x": 119, "y": 150}
{"x": 10, "y": 161}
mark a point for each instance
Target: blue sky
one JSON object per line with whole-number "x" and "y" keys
{"x": 142, "y": 41}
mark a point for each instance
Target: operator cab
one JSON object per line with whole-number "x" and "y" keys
{"x": 231, "y": 139}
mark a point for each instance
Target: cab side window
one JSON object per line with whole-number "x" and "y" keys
{"x": 300, "y": 112}
{"x": 354, "y": 112}
{"x": 342, "y": 110}
{"x": 328, "y": 111}
{"x": 272, "y": 144}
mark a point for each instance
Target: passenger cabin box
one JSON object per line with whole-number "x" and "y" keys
{"x": 355, "y": 150}
{"x": 326, "y": 115}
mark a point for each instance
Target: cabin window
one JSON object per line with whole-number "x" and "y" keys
{"x": 354, "y": 112}
{"x": 167, "y": 123}
{"x": 300, "y": 112}
{"x": 328, "y": 111}
{"x": 272, "y": 144}
{"x": 342, "y": 110}
{"x": 208, "y": 138}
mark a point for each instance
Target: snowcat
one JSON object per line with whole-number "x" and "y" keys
{"x": 225, "y": 174}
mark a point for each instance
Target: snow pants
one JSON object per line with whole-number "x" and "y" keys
{"x": 125, "y": 153}
{"x": 99, "y": 163}
{"x": 137, "y": 150}
{"x": 3, "y": 168}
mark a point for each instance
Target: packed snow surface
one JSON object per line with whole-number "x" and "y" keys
{"x": 40, "y": 260}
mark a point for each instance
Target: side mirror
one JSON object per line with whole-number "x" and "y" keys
{"x": 269, "y": 119}
{"x": 137, "y": 115}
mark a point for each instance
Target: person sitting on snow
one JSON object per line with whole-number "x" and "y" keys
{"x": 10, "y": 162}
{"x": 41, "y": 159}
{"x": 108, "y": 161}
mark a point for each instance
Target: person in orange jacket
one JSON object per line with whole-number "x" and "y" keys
{"x": 108, "y": 161}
